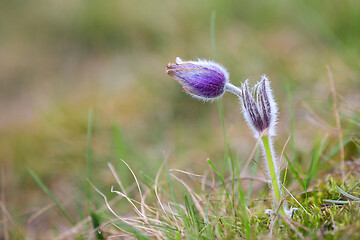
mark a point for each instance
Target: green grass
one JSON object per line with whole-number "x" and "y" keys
{"x": 180, "y": 205}
{"x": 214, "y": 212}
{"x": 50, "y": 195}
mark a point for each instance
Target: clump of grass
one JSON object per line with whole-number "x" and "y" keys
{"x": 203, "y": 212}
{"x": 333, "y": 213}
{"x": 210, "y": 207}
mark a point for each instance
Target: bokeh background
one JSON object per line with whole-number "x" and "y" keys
{"x": 59, "y": 59}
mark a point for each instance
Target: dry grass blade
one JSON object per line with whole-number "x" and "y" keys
{"x": 283, "y": 150}
{"x": 318, "y": 120}
{"x": 187, "y": 173}
{"x": 159, "y": 200}
{"x": 138, "y": 186}
{"x": 203, "y": 181}
{"x": 41, "y": 211}
{"x": 250, "y": 156}
{"x": 5, "y": 214}
{"x": 193, "y": 195}
{"x": 132, "y": 222}
{"x": 75, "y": 230}
{"x": 289, "y": 222}
{"x": 85, "y": 221}
{"x": 297, "y": 201}
{"x": 138, "y": 212}
{"x": 4, "y": 221}
{"x": 108, "y": 205}
{"x": 356, "y": 142}
{"x": 174, "y": 217}
{"x": 151, "y": 209}
{"x": 117, "y": 177}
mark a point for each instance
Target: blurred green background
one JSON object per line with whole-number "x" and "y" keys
{"x": 58, "y": 59}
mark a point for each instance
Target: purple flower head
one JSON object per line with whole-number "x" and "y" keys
{"x": 202, "y": 79}
{"x": 259, "y": 107}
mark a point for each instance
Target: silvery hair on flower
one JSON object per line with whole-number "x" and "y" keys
{"x": 202, "y": 79}
{"x": 259, "y": 107}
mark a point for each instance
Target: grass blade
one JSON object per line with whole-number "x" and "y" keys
{"x": 336, "y": 201}
{"x": 50, "y": 195}
{"x": 222, "y": 181}
{"x": 178, "y": 209}
{"x": 248, "y": 196}
{"x": 119, "y": 143}
{"x": 219, "y": 101}
{"x": 170, "y": 182}
{"x": 292, "y": 120}
{"x": 313, "y": 169}
{"x": 347, "y": 194}
{"x": 88, "y": 156}
{"x": 95, "y": 219}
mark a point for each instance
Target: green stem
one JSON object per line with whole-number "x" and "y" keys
{"x": 88, "y": 157}
{"x": 272, "y": 171}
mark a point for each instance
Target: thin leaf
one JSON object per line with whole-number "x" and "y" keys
{"x": 50, "y": 195}
{"x": 313, "y": 169}
{"x": 336, "y": 201}
{"x": 222, "y": 181}
{"x": 88, "y": 156}
{"x": 347, "y": 194}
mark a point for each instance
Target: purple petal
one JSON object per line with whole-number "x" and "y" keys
{"x": 201, "y": 81}
{"x": 252, "y": 109}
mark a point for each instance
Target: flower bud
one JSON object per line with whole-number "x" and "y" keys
{"x": 202, "y": 79}
{"x": 259, "y": 107}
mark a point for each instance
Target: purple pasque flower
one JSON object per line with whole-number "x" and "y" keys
{"x": 202, "y": 79}
{"x": 259, "y": 107}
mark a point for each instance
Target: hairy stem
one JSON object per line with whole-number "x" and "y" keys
{"x": 272, "y": 171}
{"x": 233, "y": 89}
